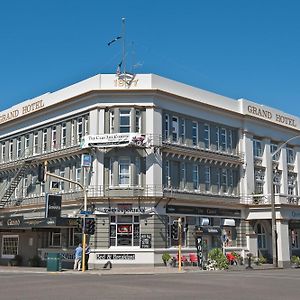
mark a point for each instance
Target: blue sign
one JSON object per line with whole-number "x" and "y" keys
{"x": 86, "y": 212}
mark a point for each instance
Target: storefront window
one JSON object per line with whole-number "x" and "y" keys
{"x": 10, "y": 245}
{"x": 75, "y": 236}
{"x": 55, "y": 238}
{"x": 295, "y": 239}
{"x": 124, "y": 231}
{"x": 261, "y": 237}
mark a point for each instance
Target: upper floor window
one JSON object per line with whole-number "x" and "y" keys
{"x": 290, "y": 155}
{"x": 45, "y": 139}
{"x": 183, "y": 175}
{"x": 175, "y": 128}
{"x": 124, "y": 120}
{"x": 273, "y": 149}
{"x": 207, "y": 179}
{"x": 195, "y": 177}
{"x": 259, "y": 181}
{"x": 79, "y": 129}
{"x": 53, "y": 138}
{"x": 111, "y": 121}
{"x": 217, "y": 138}
{"x": 35, "y": 142}
{"x": 19, "y": 147}
{"x": 167, "y": 125}
{"x": 224, "y": 180}
{"x": 3, "y": 150}
{"x": 195, "y": 133}
{"x": 292, "y": 181}
{"x": 167, "y": 173}
{"x": 124, "y": 171}
{"x": 63, "y": 135}
{"x": 61, "y": 182}
{"x": 257, "y": 148}
{"x": 138, "y": 121}
{"x": 86, "y": 125}
{"x": 206, "y": 136}
{"x": 182, "y": 130}
{"x": 223, "y": 141}
{"x": 230, "y": 140}
{"x": 11, "y": 150}
{"x": 276, "y": 181}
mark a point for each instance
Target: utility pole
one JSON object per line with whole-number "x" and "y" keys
{"x": 179, "y": 243}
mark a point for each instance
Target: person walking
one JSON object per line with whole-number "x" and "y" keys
{"x": 78, "y": 257}
{"x": 87, "y": 256}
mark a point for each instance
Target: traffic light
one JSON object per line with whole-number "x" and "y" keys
{"x": 174, "y": 231}
{"x": 89, "y": 227}
{"x": 41, "y": 173}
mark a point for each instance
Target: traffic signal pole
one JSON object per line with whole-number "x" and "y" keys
{"x": 84, "y": 208}
{"x": 179, "y": 244}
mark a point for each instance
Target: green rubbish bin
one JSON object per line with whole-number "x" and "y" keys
{"x": 54, "y": 262}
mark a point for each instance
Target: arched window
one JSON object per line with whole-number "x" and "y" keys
{"x": 261, "y": 237}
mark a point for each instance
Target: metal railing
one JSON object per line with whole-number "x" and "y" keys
{"x": 266, "y": 199}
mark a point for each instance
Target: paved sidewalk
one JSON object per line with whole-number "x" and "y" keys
{"x": 115, "y": 270}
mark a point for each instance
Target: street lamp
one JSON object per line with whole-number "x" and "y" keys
{"x": 273, "y": 211}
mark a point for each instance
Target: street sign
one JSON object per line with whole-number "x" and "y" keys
{"x": 86, "y": 212}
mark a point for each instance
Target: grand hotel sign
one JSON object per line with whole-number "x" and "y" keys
{"x": 271, "y": 116}
{"x": 21, "y": 111}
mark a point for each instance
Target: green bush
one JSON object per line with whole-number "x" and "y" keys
{"x": 295, "y": 260}
{"x": 261, "y": 260}
{"x": 166, "y": 257}
{"x": 16, "y": 261}
{"x": 217, "y": 255}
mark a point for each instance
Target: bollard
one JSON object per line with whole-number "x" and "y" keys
{"x": 249, "y": 267}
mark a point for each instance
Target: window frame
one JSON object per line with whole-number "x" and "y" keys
{"x": 12, "y": 255}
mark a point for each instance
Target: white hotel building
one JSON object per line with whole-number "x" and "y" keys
{"x": 159, "y": 150}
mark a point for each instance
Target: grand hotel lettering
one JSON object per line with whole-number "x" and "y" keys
{"x": 24, "y": 110}
{"x": 266, "y": 114}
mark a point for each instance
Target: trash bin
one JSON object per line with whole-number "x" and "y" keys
{"x": 54, "y": 262}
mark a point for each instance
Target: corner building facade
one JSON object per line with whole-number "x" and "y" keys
{"x": 159, "y": 150}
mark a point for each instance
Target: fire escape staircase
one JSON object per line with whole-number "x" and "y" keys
{"x": 11, "y": 186}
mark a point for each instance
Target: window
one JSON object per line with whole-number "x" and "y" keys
{"x": 63, "y": 141}
{"x": 72, "y": 132}
{"x": 19, "y": 149}
{"x": 224, "y": 186}
{"x": 138, "y": 121}
{"x": 10, "y": 246}
{"x": 230, "y": 180}
{"x": 273, "y": 149}
{"x": 230, "y": 142}
{"x": 206, "y": 136}
{"x": 292, "y": 185}
{"x": 25, "y": 187}
{"x": 259, "y": 181}
{"x": 79, "y": 130}
{"x": 111, "y": 165}
{"x": 124, "y": 120}
{"x": 26, "y": 144}
{"x": 257, "y": 148}
{"x": 11, "y": 150}
{"x": 195, "y": 177}
{"x": 175, "y": 129}
{"x": 61, "y": 182}
{"x": 217, "y": 138}
{"x": 195, "y": 133}
{"x": 124, "y": 171}
{"x": 86, "y": 125}
{"x": 3, "y": 150}
{"x": 138, "y": 174}
{"x": 207, "y": 178}
{"x": 276, "y": 181}
{"x": 167, "y": 125}
{"x": 35, "y": 143}
{"x": 182, "y": 131}
{"x": 45, "y": 140}
{"x": 261, "y": 237}
{"x": 111, "y": 121}
{"x": 290, "y": 155}
{"x": 167, "y": 174}
{"x": 53, "y": 138}
{"x": 223, "y": 142}
{"x": 124, "y": 231}
{"x": 75, "y": 236}
{"x": 55, "y": 238}
{"x": 183, "y": 175}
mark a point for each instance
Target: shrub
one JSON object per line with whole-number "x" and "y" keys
{"x": 16, "y": 261}
{"x": 295, "y": 260}
{"x": 217, "y": 255}
{"x": 166, "y": 257}
{"x": 35, "y": 261}
{"x": 261, "y": 260}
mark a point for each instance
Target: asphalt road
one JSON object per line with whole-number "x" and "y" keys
{"x": 239, "y": 285}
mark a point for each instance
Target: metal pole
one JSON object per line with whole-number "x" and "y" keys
{"x": 179, "y": 244}
{"x": 124, "y": 54}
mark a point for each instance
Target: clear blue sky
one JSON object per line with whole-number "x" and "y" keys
{"x": 237, "y": 48}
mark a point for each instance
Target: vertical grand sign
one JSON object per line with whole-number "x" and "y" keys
{"x": 53, "y": 206}
{"x": 198, "y": 242}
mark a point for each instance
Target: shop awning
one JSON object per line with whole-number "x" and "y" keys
{"x": 228, "y": 222}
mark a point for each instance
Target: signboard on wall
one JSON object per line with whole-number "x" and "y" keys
{"x": 146, "y": 240}
{"x": 53, "y": 206}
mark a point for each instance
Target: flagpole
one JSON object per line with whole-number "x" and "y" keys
{"x": 123, "y": 35}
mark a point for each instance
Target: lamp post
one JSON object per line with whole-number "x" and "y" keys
{"x": 273, "y": 210}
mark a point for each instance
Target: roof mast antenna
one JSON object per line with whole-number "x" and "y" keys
{"x": 124, "y": 46}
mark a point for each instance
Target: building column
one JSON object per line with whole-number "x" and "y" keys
{"x": 283, "y": 243}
